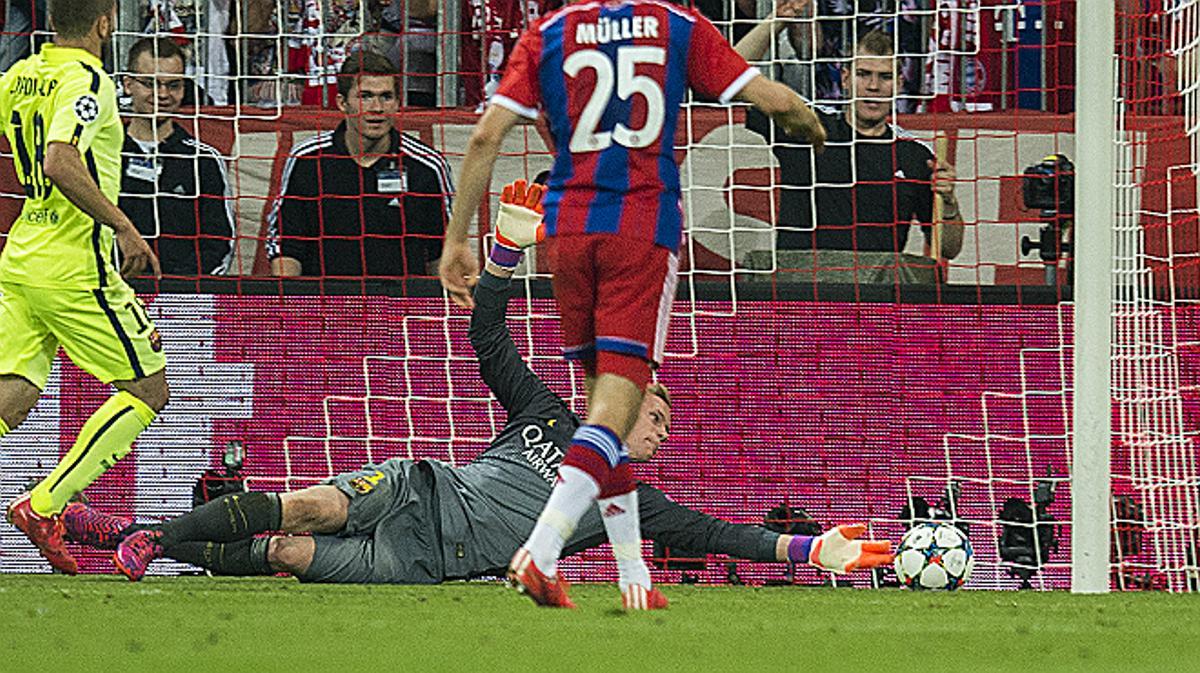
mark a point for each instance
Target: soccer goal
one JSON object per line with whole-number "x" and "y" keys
{"x": 954, "y": 372}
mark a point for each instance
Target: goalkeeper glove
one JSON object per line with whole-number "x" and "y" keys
{"x": 839, "y": 550}
{"x": 519, "y": 224}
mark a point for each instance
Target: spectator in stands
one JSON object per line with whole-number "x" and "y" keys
{"x": 199, "y": 27}
{"x": 258, "y": 53}
{"x": 173, "y": 187}
{"x": 320, "y": 41}
{"x": 21, "y": 19}
{"x": 363, "y": 199}
{"x": 410, "y": 43}
{"x": 873, "y": 179}
{"x": 1149, "y": 75}
{"x": 838, "y": 25}
{"x": 495, "y": 26}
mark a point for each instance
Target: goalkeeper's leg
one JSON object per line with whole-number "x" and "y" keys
{"x": 352, "y": 503}
{"x": 240, "y": 516}
{"x": 219, "y": 534}
{"x": 247, "y": 558}
{"x": 252, "y": 557}
{"x": 360, "y": 558}
{"x": 317, "y": 558}
{"x": 239, "y": 558}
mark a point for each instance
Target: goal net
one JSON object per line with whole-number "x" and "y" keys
{"x": 1156, "y": 511}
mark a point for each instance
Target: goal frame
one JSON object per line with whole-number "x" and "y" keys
{"x": 1095, "y": 128}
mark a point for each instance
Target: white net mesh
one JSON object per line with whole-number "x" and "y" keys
{"x": 1155, "y": 465}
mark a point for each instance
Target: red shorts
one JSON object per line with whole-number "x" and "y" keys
{"x": 614, "y": 295}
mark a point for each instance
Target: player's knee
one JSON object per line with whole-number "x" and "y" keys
{"x": 320, "y": 509}
{"x": 14, "y": 413}
{"x": 158, "y": 395}
{"x": 290, "y": 555}
{"x": 18, "y": 397}
{"x": 153, "y": 390}
{"x": 14, "y": 416}
{"x": 630, "y": 367}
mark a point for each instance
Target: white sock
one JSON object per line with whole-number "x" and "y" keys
{"x": 571, "y": 497}
{"x": 624, "y": 527}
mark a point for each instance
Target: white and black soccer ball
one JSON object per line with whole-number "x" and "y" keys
{"x": 936, "y": 556}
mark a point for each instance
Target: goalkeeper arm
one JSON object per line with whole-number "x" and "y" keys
{"x": 837, "y": 550}
{"x": 519, "y": 224}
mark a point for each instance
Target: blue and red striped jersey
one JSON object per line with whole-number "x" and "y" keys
{"x": 611, "y": 77}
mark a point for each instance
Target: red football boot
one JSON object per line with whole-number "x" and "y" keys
{"x": 135, "y": 553}
{"x": 45, "y": 532}
{"x": 548, "y": 592}
{"x": 637, "y": 597}
{"x": 91, "y": 527}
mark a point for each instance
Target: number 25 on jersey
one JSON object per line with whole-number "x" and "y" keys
{"x": 628, "y": 83}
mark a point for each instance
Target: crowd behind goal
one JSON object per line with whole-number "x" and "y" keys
{"x": 251, "y": 81}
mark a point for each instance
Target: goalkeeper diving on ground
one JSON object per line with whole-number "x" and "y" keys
{"x": 426, "y": 521}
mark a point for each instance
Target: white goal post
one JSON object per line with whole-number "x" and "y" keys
{"x": 1096, "y": 107}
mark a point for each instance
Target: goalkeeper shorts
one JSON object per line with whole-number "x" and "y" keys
{"x": 391, "y": 534}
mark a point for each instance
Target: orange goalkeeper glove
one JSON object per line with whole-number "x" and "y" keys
{"x": 839, "y": 550}
{"x": 519, "y": 224}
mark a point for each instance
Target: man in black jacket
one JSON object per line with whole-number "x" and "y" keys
{"x": 847, "y": 211}
{"x": 363, "y": 199}
{"x": 173, "y": 187}
{"x": 425, "y": 521}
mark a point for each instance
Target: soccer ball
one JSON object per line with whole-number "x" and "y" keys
{"x": 934, "y": 556}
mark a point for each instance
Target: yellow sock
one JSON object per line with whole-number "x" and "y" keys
{"x": 105, "y": 438}
{"x": 3, "y": 428}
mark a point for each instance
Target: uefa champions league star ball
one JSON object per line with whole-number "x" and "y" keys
{"x": 935, "y": 556}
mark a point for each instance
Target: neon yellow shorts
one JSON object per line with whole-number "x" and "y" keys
{"x": 106, "y": 332}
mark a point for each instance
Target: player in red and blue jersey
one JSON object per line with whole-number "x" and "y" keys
{"x": 611, "y": 78}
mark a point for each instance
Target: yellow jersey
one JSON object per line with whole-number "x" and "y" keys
{"x": 60, "y": 95}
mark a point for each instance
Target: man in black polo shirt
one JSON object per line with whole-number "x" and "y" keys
{"x": 873, "y": 179}
{"x": 363, "y": 199}
{"x": 173, "y": 187}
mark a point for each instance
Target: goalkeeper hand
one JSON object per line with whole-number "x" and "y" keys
{"x": 519, "y": 224}
{"x": 839, "y": 550}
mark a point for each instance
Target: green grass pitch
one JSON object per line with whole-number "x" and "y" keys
{"x": 61, "y": 624}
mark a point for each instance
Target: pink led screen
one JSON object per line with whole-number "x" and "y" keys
{"x": 828, "y": 406}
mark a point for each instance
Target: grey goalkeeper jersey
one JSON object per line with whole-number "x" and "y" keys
{"x": 489, "y": 506}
